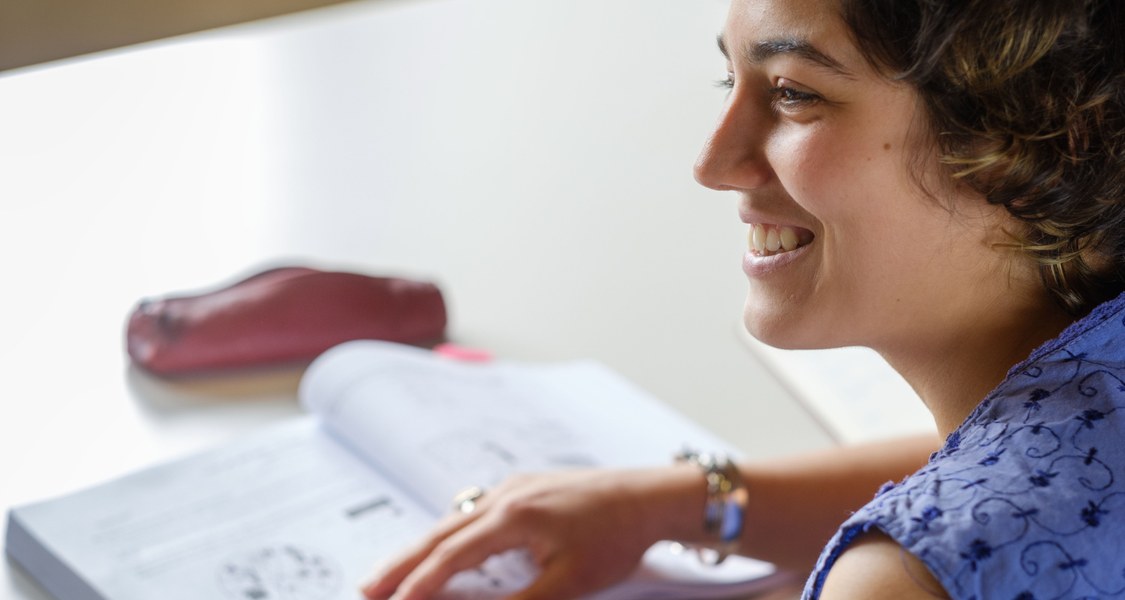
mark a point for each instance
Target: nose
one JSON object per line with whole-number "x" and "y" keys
{"x": 733, "y": 157}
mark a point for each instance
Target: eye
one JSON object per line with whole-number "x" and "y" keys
{"x": 726, "y": 82}
{"x": 786, "y": 97}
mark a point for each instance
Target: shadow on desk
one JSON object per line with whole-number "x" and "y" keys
{"x": 169, "y": 396}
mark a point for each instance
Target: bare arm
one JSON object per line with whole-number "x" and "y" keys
{"x": 563, "y": 518}
{"x": 875, "y": 567}
{"x": 796, "y": 504}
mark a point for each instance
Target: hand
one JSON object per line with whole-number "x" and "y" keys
{"x": 585, "y": 530}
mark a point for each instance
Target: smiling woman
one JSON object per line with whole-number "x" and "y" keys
{"x": 944, "y": 183}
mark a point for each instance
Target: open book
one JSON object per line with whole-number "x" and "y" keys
{"x": 306, "y": 510}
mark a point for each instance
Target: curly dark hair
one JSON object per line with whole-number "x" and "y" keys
{"x": 1024, "y": 98}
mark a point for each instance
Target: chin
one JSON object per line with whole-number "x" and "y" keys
{"x": 774, "y": 336}
{"x": 785, "y": 329}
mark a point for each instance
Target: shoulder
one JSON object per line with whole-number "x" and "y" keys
{"x": 1021, "y": 497}
{"x": 875, "y": 567}
{"x": 1014, "y": 504}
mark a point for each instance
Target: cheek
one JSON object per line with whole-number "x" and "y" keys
{"x": 862, "y": 195}
{"x": 831, "y": 174}
{"x": 795, "y": 154}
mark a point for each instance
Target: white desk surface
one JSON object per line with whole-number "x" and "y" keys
{"x": 531, "y": 156}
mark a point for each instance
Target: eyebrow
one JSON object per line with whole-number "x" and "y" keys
{"x": 761, "y": 51}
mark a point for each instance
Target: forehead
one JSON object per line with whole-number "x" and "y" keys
{"x": 815, "y": 22}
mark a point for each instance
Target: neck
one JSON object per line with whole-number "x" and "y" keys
{"x": 952, "y": 374}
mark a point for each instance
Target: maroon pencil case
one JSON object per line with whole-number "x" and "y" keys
{"x": 283, "y": 316}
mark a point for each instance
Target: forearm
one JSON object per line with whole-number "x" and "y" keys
{"x": 589, "y": 528}
{"x": 795, "y": 504}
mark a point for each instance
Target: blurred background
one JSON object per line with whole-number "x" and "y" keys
{"x": 533, "y": 157}
{"x": 37, "y": 31}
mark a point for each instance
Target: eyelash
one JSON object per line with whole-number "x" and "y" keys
{"x": 785, "y": 97}
{"x": 781, "y": 96}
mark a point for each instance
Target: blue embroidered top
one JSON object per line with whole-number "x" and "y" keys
{"x": 1026, "y": 500}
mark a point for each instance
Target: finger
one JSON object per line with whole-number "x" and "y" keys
{"x": 466, "y": 548}
{"x": 390, "y": 576}
{"x": 558, "y": 581}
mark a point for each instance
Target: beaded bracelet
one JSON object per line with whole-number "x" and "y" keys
{"x": 725, "y": 508}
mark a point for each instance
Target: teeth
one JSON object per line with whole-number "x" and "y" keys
{"x": 773, "y": 240}
{"x": 758, "y": 238}
{"x": 788, "y": 238}
{"x": 769, "y": 239}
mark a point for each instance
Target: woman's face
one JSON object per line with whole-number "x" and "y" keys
{"x": 846, "y": 247}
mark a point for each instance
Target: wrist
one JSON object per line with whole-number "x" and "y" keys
{"x": 667, "y": 503}
{"x": 724, "y": 511}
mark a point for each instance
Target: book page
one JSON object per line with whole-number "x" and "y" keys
{"x": 438, "y": 426}
{"x": 287, "y": 514}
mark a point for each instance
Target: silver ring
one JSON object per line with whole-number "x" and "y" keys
{"x": 465, "y": 501}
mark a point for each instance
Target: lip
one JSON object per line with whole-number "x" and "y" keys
{"x": 758, "y": 267}
{"x": 753, "y": 217}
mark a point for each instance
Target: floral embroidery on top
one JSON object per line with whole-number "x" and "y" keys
{"x": 1026, "y": 500}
